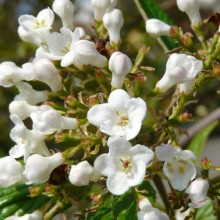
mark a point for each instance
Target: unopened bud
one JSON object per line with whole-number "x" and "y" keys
{"x": 120, "y": 65}
{"x": 157, "y": 28}
{"x": 191, "y": 8}
{"x": 100, "y": 7}
{"x": 64, "y": 9}
{"x": 82, "y": 173}
{"x": 38, "y": 168}
{"x": 206, "y": 163}
{"x": 113, "y": 22}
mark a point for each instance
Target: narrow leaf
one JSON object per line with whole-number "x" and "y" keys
{"x": 198, "y": 142}
{"x": 206, "y": 212}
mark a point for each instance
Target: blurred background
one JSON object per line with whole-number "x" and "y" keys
{"x": 133, "y": 35}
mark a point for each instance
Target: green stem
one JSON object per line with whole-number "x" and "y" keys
{"x": 213, "y": 51}
{"x": 177, "y": 110}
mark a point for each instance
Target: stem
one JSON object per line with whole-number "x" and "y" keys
{"x": 214, "y": 50}
{"x": 177, "y": 110}
{"x": 163, "y": 193}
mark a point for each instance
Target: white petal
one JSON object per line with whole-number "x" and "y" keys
{"x": 68, "y": 59}
{"x": 142, "y": 153}
{"x": 133, "y": 128}
{"x": 100, "y": 113}
{"x": 56, "y": 44}
{"x": 137, "y": 108}
{"x": 118, "y": 146}
{"x": 118, "y": 98}
{"x": 27, "y": 22}
{"x": 117, "y": 183}
{"x": 165, "y": 151}
{"x": 104, "y": 165}
{"x": 136, "y": 175}
{"x": 47, "y": 15}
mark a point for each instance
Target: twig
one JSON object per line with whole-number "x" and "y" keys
{"x": 192, "y": 131}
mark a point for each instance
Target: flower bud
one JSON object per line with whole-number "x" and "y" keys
{"x": 100, "y": 6}
{"x": 47, "y": 120}
{"x": 11, "y": 171}
{"x": 182, "y": 69}
{"x": 191, "y": 8}
{"x": 113, "y": 22}
{"x": 38, "y": 168}
{"x": 45, "y": 71}
{"x": 64, "y": 9}
{"x": 22, "y": 109}
{"x": 28, "y": 94}
{"x": 120, "y": 65}
{"x": 197, "y": 191}
{"x": 157, "y": 28}
{"x": 82, "y": 173}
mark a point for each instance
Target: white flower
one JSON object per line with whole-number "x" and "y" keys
{"x": 45, "y": 71}
{"x": 27, "y": 141}
{"x": 191, "y": 8}
{"x": 39, "y": 26}
{"x": 38, "y": 168}
{"x": 27, "y": 93}
{"x": 197, "y": 191}
{"x": 83, "y": 53}
{"x": 10, "y": 73}
{"x": 182, "y": 69}
{"x": 178, "y": 167}
{"x": 11, "y": 171}
{"x": 47, "y": 120}
{"x": 121, "y": 116}
{"x": 148, "y": 212}
{"x": 60, "y": 44}
{"x": 67, "y": 47}
{"x": 157, "y": 28}
{"x": 64, "y": 9}
{"x": 22, "y": 109}
{"x": 36, "y": 215}
{"x": 100, "y": 7}
{"x": 113, "y": 21}
{"x": 124, "y": 165}
{"x": 120, "y": 65}
{"x": 82, "y": 173}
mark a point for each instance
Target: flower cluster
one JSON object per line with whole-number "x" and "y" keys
{"x": 87, "y": 136}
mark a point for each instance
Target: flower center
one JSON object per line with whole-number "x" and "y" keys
{"x": 123, "y": 120}
{"x": 126, "y": 165}
{"x": 22, "y": 140}
{"x": 39, "y": 24}
{"x": 66, "y": 49}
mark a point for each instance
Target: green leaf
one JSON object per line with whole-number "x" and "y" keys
{"x": 104, "y": 212}
{"x": 147, "y": 190}
{"x": 206, "y": 212}
{"x": 125, "y": 207}
{"x": 198, "y": 142}
{"x": 150, "y": 9}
